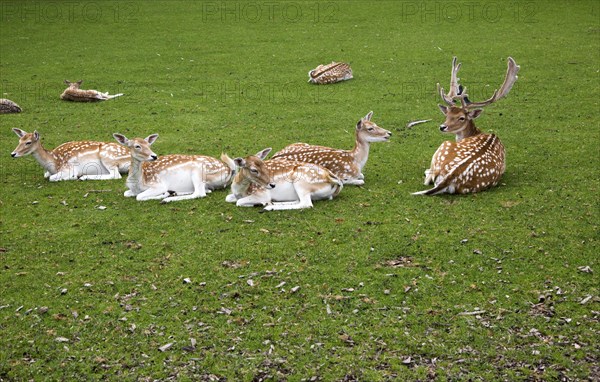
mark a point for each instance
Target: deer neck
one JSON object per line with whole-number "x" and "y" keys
{"x": 240, "y": 185}
{"x": 360, "y": 153}
{"x": 47, "y": 159}
{"x": 470, "y": 131}
{"x": 136, "y": 175}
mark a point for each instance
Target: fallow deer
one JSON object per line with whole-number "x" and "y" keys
{"x": 7, "y": 106}
{"x": 83, "y": 160}
{"x": 347, "y": 165}
{"x": 280, "y": 184}
{"x": 172, "y": 177}
{"x": 330, "y": 73}
{"x": 475, "y": 161}
{"x": 74, "y": 93}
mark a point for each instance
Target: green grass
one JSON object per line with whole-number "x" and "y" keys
{"x": 210, "y": 79}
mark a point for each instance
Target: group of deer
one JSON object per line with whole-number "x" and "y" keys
{"x": 293, "y": 177}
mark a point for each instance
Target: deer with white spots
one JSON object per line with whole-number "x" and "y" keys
{"x": 171, "y": 178}
{"x": 347, "y": 165}
{"x": 75, "y": 94}
{"x": 83, "y": 160}
{"x": 280, "y": 184}
{"x": 475, "y": 161}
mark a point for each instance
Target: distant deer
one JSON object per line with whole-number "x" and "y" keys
{"x": 172, "y": 177}
{"x": 347, "y": 165}
{"x": 7, "y": 106}
{"x": 280, "y": 184}
{"x": 83, "y": 160}
{"x": 330, "y": 73}
{"x": 475, "y": 161}
{"x": 74, "y": 93}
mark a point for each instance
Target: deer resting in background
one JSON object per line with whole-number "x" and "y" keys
{"x": 347, "y": 165}
{"x": 475, "y": 161}
{"x": 73, "y": 93}
{"x": 83, "y": 160}
{"x": 172, "y": 177}
{"x": 280, "y": 184}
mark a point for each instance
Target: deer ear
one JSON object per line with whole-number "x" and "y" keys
{"x": 263, "y": 154}
{"x": 240, "y": 162}
{"x": 444, "y": 109}
{"x": 151, "y": 138}
{"x": 79, "y": 82}
{"x": 368, "y": 116}
{"x": 121, "y": 139}
{"x": 67, "y": 82}
{"x": 36, "y": 135}
{"x": 475, "y": 113}
{"x": 20, "y": 133}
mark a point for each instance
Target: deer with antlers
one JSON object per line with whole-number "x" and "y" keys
{"x": 347, "y": 165}
{"x": 280, "y": 184}
{"x": 83, "y": 160}
{"x": 171, "y": 178}
{"x": 475, "y": 161}
{"x": 75, "y": 94}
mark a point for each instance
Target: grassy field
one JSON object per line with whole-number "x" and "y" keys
{"x": 376, "y": 285}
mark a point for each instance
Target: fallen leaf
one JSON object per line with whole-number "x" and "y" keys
{"x": 166, "y": 347}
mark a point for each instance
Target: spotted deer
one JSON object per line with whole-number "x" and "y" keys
{"x": 8, "y": 107}
{"x": 171, "y": 178}
{"x": 280, "y": 184}
{"x": 83, "y": 160}
{"x": 347, "y": 165}
{"x": 475, "y": 161}
{"x": 330, "y": 73}
{"x": 75, "y": 94}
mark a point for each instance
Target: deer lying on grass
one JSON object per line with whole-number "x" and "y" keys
{"x": 475, "y": 161}
{"x": 280, "y": 184}
{"x": 347, "y": 165}
{"x": 7, "y": 106}
{"x": 73, "y": 93}
{"x": 330, "y": 73}
{"x": 172, "y": 177}
{"x": 84, "y": 160}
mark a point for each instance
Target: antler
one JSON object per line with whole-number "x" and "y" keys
{"x": 457, "y": 92}
{"x": 454, "y": 90}
{"x": 509, "y": 80}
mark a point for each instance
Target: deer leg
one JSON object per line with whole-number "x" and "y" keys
{"x": 199, "y": 190}
{"x": 354, "y": 182}
{"x": 304, "y": 202}
{"x": 156, "y": 193}
{"x": 428, "y": 177}
{"x": 63, "y": 175}
{"x": 113, "y": 173}
{"x": 255, "y": 199}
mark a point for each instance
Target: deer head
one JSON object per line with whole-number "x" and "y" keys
{"x": 370, "y": 132}
{"x": 139, "y": 148}
{"x": 460, "y": 118}
{"x": 74, "y": 85}
{"x": 28, "y": 143}
{"x": 254, "y": 169}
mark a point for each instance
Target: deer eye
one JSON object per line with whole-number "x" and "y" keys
{"x": 28, "y": 143}
{"x": 138, "y": 147}
{"x": 254, "y": 171}
{"x": 370, "y": 129}
{"x": 461, "y": 119}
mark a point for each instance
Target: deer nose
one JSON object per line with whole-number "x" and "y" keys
{"x": 154, "y": 156}
{"x": 13, "y": 154}
{"x": 271, "y": 185}
{"x": 443, "y": 127}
